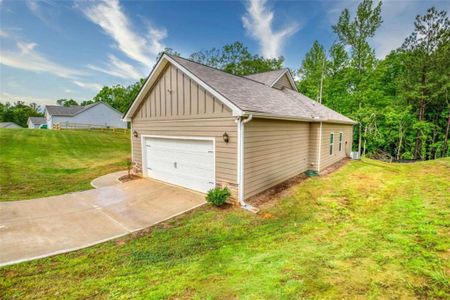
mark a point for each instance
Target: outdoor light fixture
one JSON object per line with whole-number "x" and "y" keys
{"x": 226, "y": 138}
{"x": 135, "y": 134}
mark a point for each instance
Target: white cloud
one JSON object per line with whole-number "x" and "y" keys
{"x": 110, "y": 17}
{"x": 46, "y": 11}
{"x": 89, "y": 86}
{"x": 2, "y": 32}
{"x": 4, "y": 97}
{"x": 118, "y": 68}
{"x": 27, "y": 58}
{"x": 33, "y": 6}
{"x": 258, "y": 24}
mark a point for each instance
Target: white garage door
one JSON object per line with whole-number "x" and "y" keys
{"x": 185, "y": 162}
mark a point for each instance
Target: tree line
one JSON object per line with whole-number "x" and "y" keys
{"x": 401, "y": 102}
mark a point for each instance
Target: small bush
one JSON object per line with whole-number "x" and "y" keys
{"x": 218, "y": 196}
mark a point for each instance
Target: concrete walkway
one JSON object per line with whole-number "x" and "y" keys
{"x": 42, "y": 227}
{"x": 108, "y": 179}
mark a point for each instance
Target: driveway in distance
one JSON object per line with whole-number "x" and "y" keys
{"x": 41, "y": 227}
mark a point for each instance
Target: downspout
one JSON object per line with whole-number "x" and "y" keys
{"x": 240, "y": 170}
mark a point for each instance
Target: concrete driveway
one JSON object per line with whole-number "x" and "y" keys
{"x": 42, "y": 227}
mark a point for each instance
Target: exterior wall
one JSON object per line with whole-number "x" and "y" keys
{"x": 177, "y": 106}
{"x": 31, "y": 125}
{"x": 283, "y": 82}
{"x": 326, "y": 159}
{"x": 101, "y": 115}
{"x": 274, "y": 151}
{"x": 314, "y": 136}
{"x": 49, "y": 120}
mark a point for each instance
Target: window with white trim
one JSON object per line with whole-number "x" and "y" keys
{"x": 341, "y": 137}
{"x": 331, "y": 142}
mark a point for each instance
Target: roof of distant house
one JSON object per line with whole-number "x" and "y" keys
{"x": 70, "y": 111}
{"x": 38, "y": 120}
{"x": 9, "y": 125}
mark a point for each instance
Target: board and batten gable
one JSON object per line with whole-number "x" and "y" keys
{"x": 274, "y": 151}
{"x": 177, "y": 106}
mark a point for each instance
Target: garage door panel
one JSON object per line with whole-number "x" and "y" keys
{"x": 189, "y": 163}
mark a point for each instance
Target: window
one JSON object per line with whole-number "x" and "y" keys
{"x": 331, "y": 142}
{"x": 341, "y": 137}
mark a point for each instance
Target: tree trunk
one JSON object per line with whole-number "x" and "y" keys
{"x": 365, "y": 136}
{"x": 359, "y": 134}
{"x": 422, "y": 104}
{"x": 400, "y": 140}
{"x": 418, "y": 145}
{"x": 445, "y": 146}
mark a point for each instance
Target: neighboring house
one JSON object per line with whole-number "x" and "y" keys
{"x": 36, "y": 122}
{"x": 199, "y": 127}
{"x": 98, "y": 114}
{"x": 9, "y": 125}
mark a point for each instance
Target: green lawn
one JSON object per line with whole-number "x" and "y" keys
{"x": 39, "y": 163}
{"x": 369, "y": 230}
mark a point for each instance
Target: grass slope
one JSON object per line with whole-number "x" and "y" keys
{"x": 369, "y": 230}
{"x": 39, "y": 163}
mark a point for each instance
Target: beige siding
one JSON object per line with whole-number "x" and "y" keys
{"x": 175, "y": 96}
{"x": 274, "y": 151}
{"x": 283, "y": 82}
{"x": 314, "y": 136}
{"x": 326, "y": 159}
{"x": 177, "y": 106}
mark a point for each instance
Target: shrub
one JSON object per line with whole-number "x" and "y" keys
{"x": 218, "y": 196}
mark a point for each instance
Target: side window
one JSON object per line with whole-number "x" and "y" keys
{"x": 331, "y": 142}
{"x": 341, "y": 137}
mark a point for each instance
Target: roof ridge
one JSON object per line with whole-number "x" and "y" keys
{"x": 277, "y": 70}
{"x": 216, "y": 69}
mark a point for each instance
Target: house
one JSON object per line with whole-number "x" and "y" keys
{"x": 199, "y": 127}
{"x": 98, "y": 114}
{"x": 9, "y": 125}
{"x": 36, "y": 122}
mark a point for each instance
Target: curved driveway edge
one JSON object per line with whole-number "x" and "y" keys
{"x": 43, "y": 227}
{"x": 108, "y": 179}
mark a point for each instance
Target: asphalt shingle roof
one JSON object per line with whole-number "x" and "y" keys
{"x": 267, "y": 78}
{"x": 38, "y": 120}
{"x": 253, "y": 96}
{"x": 9, "y": 125}
{"x": 57, "y": 110}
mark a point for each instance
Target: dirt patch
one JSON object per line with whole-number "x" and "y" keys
{"x": 269, "y": 197}
{"x": 335, "y": 166}
{"x": 127, "y": 178}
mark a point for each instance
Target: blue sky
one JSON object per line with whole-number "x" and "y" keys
{"x": 70, "y": 49}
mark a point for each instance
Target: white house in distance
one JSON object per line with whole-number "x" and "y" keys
{"x": 36, "y": 122}
{"x": 96, "y": 115}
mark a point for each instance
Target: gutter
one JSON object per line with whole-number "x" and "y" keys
{"x": 240, "y": 172}
{"x": 290, "y": 118}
